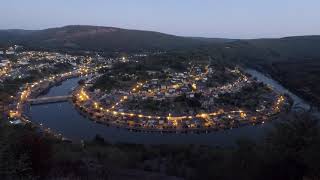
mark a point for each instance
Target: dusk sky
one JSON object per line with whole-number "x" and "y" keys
{"x": 207, "y": 18}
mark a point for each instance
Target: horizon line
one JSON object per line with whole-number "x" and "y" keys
{"x": 206, "y": 37}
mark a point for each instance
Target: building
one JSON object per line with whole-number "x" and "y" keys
{"x": 10, "y": 51}
{"x": 4, "y": 62}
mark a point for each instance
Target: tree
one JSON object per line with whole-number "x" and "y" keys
{"x": 290, "y": 145}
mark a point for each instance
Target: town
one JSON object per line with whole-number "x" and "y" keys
{"x": 165, "y": 100}
{"x": 159, "y": 90}
{"x": 178, "y": 102}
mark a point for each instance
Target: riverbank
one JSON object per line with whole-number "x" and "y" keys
{"x": 107, "y": 122}
{"x": 64, "y": 119}
{"x": 289, "y": 78}
{"x": 218, "y": 113}
{"x": 45, "y": 91}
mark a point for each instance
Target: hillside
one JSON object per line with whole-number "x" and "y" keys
{"x": 98, "y": 38}
{"x": 291, "y": 47}
{"x": 257, "y": 51}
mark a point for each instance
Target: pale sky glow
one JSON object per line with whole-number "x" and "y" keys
{"x": 207, "y": 18}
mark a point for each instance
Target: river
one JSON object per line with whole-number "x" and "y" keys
{"x": 64, "y": 119}
{"x": 297, "y": 102}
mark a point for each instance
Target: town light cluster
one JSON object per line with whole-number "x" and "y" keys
{"x": 207, "y": 117}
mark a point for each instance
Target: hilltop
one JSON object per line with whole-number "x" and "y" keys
{"x": 97, "y": 38}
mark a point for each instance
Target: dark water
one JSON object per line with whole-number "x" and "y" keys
{"x": 64, "y": 88}
{"x": 63, "y": 118}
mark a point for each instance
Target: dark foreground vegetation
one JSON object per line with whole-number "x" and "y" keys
{"x": 289, "y": 151}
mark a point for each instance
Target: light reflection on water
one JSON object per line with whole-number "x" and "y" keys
{"x": 63, "y": 118}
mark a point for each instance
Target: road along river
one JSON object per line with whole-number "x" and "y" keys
{"x": 63, "y": 118}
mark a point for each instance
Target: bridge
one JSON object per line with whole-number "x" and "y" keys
{"x": 47, "y": 100}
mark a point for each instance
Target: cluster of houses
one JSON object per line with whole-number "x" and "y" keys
{"x": 123, "y": 118}
{"x": 5, "y": 67}
{"x": 40, "y": 61}
{"x": 188, "y": 83}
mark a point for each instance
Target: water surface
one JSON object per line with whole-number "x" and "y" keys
{"x": 64, "y": 118}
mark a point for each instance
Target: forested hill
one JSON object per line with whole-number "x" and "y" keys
{"x": 257, "y": 51}
{"x": 98, "y": 38}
